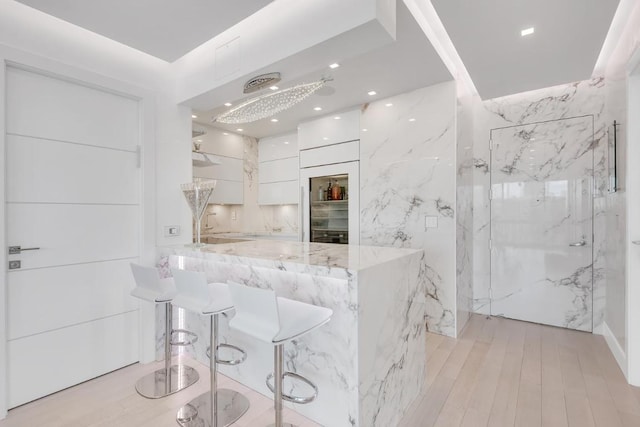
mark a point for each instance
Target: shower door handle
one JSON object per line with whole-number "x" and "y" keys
{"x": 580, "y": 243}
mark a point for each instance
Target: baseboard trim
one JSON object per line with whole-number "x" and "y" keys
{"x": 618, "y": 352}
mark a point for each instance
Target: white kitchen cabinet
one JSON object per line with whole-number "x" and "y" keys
{"x": 279, "y": 193}
{"x": 229, "y": 175}
{"x": 331, "y": 154}
{"x": 228, "y": 192}
{"x": 329, "y": 130}
{"x": 278, "y": 147}
{"x": 278, "y": 170}
{"x": 228, "y": 152}
{"x": 229, "y": 169}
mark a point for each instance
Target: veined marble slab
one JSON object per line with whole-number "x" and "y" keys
{"x": 368, "y": 361}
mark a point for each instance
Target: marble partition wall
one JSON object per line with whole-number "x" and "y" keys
{"x": 464, "y": 212}
{"x": 407, "y": 173}
{"x": 585, "y": 98}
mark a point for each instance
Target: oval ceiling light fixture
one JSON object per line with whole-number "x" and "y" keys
{"x": 269, "y": 104}
{"x": 261, "y": 81}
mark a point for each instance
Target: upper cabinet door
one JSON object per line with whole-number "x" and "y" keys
{"x": 278, "y": 147}
{"x": 328, "y": 130}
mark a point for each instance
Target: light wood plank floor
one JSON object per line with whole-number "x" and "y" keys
{"x": 500, "y": 372}
{"x": 111, "y": 401}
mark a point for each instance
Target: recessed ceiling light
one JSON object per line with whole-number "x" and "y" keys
{"x": 412, "y": 120}
{"x": 334, "y": 65}
{"x": 198, "y": 140}
{"x": 286, "y": 142}
{"x": 225, "y": 133}
{"x": 317, "y": 108}
{"x": 274, "y": 88}
{"x": 388, "y": 105}
{"x": 527, "y": 31}
{"x": 337, "y": 118}
{"x": 532, "y": 150}
{"x": 193, "y": 116}
{"x": 325, "y": 138}
{"x": 239, "y": 130}
{"x": 228, "y": 104}
{"x": 274, "y": 120}
{"x": 364, "y": 130}
{"x": 372, "y": 92}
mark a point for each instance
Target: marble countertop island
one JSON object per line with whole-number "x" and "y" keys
{"x": 368, "y": 361}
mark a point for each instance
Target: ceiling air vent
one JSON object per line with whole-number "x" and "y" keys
{"x": 261, "y": 81}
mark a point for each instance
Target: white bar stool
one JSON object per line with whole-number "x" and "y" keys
{"x": 173, "y": 378}
{"x": 262, "y": 315}
{"x": 217, "y": 407}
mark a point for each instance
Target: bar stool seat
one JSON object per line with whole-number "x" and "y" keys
{"x": 217, "y": 407}
{"x": 276, "y": 320}
{"x": 172, "y": 378}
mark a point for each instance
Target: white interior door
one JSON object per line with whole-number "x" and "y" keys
{"x": 73, "y": 206}
{"x": 541, "y": 223}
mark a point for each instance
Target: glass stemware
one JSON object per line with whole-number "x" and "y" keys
{"x": 197, "y": 194}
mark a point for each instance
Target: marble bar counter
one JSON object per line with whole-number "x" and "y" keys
{"x": 368, "y": 361}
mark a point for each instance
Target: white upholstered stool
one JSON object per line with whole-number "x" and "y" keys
{"x": 262, "y": 315}
{"x": 217, "y": 407}
{"x": 173, "y": 378}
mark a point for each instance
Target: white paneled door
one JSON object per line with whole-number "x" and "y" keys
{"x": 541, "y": 222}
{"x": 73, "y": 208}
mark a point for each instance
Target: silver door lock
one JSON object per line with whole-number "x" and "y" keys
{"x": 14, "y": 265}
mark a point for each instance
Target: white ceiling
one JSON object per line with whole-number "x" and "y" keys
{"x": 564, "y": 48}
{"x": 166, "y": 29}
{"x": 404, "y": 65}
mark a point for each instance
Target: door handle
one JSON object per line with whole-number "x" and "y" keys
{"x": 580, "y": 243}
{"x": 15, "y": 250}
{"x": 636, "y": 242}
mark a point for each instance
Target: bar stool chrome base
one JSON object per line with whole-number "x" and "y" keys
{"x": 197, "y": 413}
{"x": 156, "y": 384}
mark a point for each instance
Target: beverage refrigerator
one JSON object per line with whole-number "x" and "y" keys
{"x": 330, "y": 203}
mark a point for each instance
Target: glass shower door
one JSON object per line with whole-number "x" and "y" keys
{"x": 541, "y": 223}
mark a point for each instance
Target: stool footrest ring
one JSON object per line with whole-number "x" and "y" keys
{"x": 231, "y": 362}
{"x": 290, "y": 398}
{"x": 189, "y": 338}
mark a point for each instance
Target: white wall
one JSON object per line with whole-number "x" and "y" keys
{"x": 464, "y": 210}
{"x": 623, "y": 210}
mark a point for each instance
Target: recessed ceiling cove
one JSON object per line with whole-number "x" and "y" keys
{"x": 166, "y": 29}
{"x": 563, "y": 46}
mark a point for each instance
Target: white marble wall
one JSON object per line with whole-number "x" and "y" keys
{"x": 464, "y": 212}
{"x": 572, "y": 100}
{"x": 408, "y": 171}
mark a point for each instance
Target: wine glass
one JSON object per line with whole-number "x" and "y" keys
{"x": 197, "y": 194}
